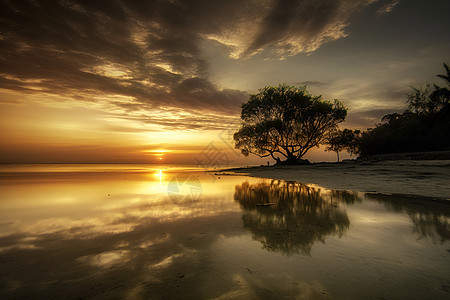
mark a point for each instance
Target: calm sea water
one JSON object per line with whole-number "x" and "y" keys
{"x": 176, "y": 232}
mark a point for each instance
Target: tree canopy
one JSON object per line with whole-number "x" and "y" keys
{"x": 285, "y": 122}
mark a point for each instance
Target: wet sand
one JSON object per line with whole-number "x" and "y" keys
{"x": 425, "y": 178}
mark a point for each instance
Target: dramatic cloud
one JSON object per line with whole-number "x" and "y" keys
{"x": 151, "y": 51}
{"x": 289, "y": 27}
{"x": 117, "y": 75}
{"x": 292, "y": 27}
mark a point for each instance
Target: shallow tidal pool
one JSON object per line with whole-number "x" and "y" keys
{"x": 146, "y": 232}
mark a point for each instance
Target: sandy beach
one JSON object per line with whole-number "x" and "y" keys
{"x": 425, "y": 178}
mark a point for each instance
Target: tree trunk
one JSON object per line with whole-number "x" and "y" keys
{"x": 293, "y": 160}
{"x": 337, "y": 153}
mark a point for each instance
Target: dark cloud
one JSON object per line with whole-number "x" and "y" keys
{"x": 150, "y": 51}
{"x": 302, "y": 26}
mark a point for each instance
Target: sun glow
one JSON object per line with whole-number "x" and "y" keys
{"x": 157, "y": 151}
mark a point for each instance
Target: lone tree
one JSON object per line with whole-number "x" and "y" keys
{"x": 284, "y": 122}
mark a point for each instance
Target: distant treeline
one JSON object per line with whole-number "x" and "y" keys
{"x": 423, "y": 126}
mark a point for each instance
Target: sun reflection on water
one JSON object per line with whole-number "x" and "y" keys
{"x": 160, "y": 175}
{"x": 124, "y": 233}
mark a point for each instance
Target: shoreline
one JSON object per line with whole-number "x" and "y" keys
{"x": 418, "y": 178}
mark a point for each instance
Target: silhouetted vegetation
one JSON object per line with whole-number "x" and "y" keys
{"x": 289, "y": 217}
{"x": 423, "y": 126}
{"x": 346, "y": 139}
{"x": 284, "y": 122}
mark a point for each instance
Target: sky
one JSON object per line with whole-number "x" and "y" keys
{"x": 163, "y": 81}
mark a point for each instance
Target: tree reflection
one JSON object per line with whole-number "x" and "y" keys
{"x": 428, "y": 216}
{"x": 289, "y": 217}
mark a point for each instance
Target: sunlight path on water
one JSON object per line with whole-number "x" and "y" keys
{"x": 141, "y": 231}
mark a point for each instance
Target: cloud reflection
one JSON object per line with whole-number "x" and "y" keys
{"x": 137, "y": 243}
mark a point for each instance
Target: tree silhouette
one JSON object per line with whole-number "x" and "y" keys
{"x": 339, "y": 140}
{"x": 447, "y": 76}
{"x": 284, "y": 122}
{"x": 289, "y": 217}
{"x": 423, "y": 126}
